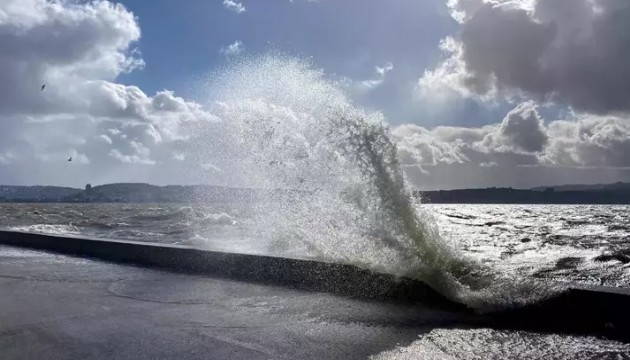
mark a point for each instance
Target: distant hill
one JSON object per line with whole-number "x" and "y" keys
{"x": 613, "y": 194}
{"x": 133, "y": 193}
{"x": 618, "y": 193}
{"x": 35, "y": 193}
{"x": 596, "y": 187}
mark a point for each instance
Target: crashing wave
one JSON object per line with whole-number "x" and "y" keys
{"x": 285, "y": 125}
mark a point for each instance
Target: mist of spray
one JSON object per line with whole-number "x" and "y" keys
{"x": 284, "y": 125}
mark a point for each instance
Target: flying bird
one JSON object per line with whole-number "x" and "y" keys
{"x": 43, "y": 87}
{"x": 70, "y": 158}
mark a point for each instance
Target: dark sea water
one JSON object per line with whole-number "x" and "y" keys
{"x": 585, "y": 244}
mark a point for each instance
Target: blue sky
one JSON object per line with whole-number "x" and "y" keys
{"x": 476, "y": 92}
{"x": 181, "y": 41}
{"x": 181, "y": 44}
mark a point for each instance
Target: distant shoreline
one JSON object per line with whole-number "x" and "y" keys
{"x": 613, "y": 194}
{"x": 515, "y": 196}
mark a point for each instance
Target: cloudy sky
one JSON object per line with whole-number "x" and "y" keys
{"x": 478, "y": 92}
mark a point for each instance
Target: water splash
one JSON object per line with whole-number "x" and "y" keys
{"x": 286, "y": 126}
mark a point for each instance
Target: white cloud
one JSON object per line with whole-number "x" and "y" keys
{"x": 139, "y": 154}
{"x": 488, "y": 164}
{"x": 234, "y": 5}
{"x": 382, "y": 71}
{"x": 379, "y": 79}
{"x": 521, "y": 139}
{"x": 93, "y": 44}
{"x": 233, "y": 49}
{"x": 589, "y": 141}
{"x": 447, "y": 82}
{"x": 522, "y": 130}
{"x": 105, "y": 138}
{"x": 572, "y": 52}
{"x": 91, "y": 41}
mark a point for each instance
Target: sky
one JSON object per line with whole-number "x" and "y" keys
{"x": 477, "y": 93}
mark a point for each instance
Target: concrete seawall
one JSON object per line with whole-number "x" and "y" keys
{"x": 304, "y": 274}
{"x": 597, "y": 311}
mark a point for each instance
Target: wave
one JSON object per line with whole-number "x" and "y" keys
{"x": 219, "y": 219}
{"x": 285, "y": 125}
{"x": 47, "y": 229}
{"x": 184, "y": 214}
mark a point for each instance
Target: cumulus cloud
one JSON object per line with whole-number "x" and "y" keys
{"x": 590, "y": 141}
{"x": 234, "y": 5}
{"x": 233, "y": 49}
{"x": 522, "y": 130}
{"x": 568, "y": 51}
{"x": 91, "y": 41}
{"x": 140, "y": 154}
{"x": 82, "y": 112}
{"x": 521, "y": 139}
{"x": 448, "y": 80}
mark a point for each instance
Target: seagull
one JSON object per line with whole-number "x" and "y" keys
{"x": 43, "y": 87}
{"x": 70, "y": 159}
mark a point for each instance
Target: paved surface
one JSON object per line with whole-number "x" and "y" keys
{"x": 60, "y": 307}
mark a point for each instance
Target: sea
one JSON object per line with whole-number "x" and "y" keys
{"x": 587, "y": 244}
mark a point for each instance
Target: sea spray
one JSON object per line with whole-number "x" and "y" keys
{"x": 330, "y": 180}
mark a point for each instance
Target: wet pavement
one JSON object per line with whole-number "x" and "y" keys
{"x": 60, "y": 307}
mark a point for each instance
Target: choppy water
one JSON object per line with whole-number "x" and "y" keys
{"x": 484, "y": 344}
{"x": 586, "y": 244}
{"x": 577, "y": 243}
